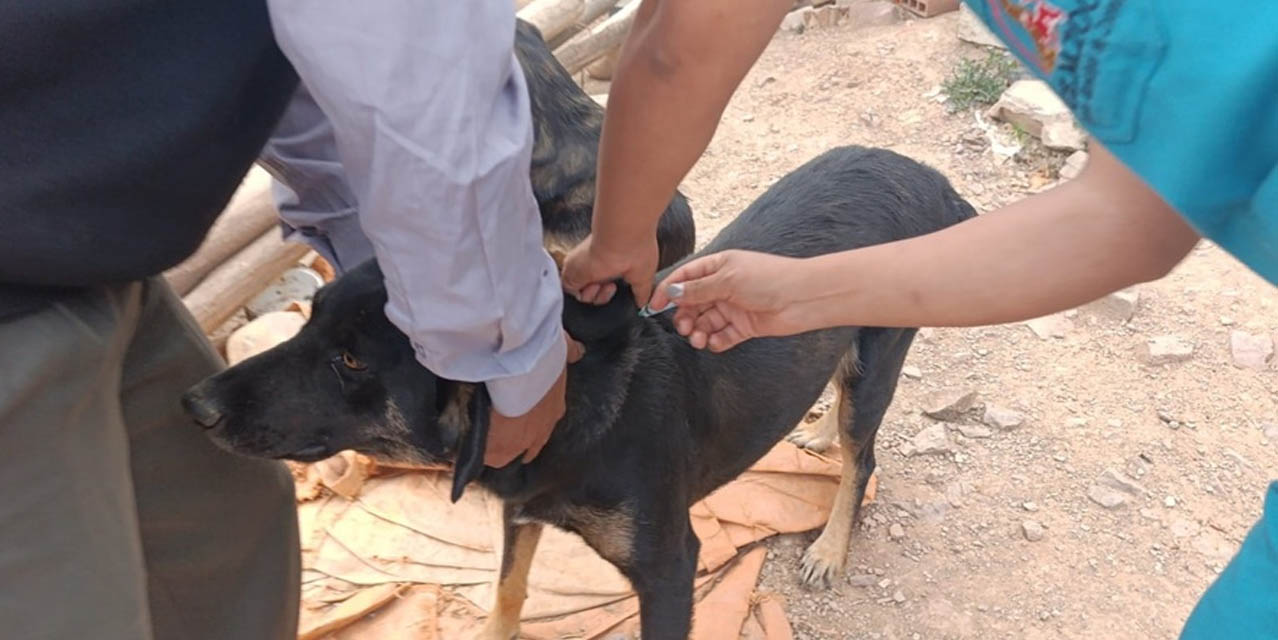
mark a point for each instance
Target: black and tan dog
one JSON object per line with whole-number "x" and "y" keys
{"x": 652, "y": 425}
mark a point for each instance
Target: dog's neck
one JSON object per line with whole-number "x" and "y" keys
{"x": 596, "y": 391}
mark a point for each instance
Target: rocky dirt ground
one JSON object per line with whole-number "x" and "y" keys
{"x": 1127, "y": 486}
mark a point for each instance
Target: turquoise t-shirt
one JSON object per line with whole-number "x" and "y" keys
{"x": 1184, "y": 92}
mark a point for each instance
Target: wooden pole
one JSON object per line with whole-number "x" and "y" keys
{"x": 591, "y": 45}
{"x": 236, "y": 281}
{"x": 591, "y": 12}
{"x": 552, "y": 17}
{"x": 250, "y": 213}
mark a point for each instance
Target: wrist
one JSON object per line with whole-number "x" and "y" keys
{"x": 608, "y": 242}
{"x": 820, "y": 292}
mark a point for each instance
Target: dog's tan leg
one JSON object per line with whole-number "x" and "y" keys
{"x": 512, "y": 585}
{"x": 827, "y": 555}
{"x": 819, "y": 435}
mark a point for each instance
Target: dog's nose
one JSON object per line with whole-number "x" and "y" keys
{"x": 200, "y": 409}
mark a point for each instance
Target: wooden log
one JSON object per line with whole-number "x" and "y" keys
{"x": 237, "y": 280}
{"x": 552, "y": 17}
{"x": 249, "y": 214}
{"x": 591, "y": 45}
{"x": 602, "y": 68}
{"x": 592, "y": 11}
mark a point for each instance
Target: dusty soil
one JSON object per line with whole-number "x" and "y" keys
{"x": 963, "y": 566}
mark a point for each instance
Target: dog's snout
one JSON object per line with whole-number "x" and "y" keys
{"x": 200, "y": 409}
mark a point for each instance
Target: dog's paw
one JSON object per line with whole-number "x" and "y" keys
{"x": 822, "y": 562}
{"x": 817, "y": 436}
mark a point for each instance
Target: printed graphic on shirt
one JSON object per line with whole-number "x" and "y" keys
{"x": 1042, "y": 20}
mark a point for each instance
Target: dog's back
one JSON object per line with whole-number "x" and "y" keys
{"x": 850, "y": 197}
{"x": 846, "y": 198}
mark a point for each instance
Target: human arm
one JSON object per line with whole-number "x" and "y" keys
{"x": 1088, "y": 237}
{"x": 676, "y": 72}
{"x": 310, "y": 188}
{"x": 432, "y": 126}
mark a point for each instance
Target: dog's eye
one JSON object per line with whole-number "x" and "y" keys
{"x": 351, "y": 362}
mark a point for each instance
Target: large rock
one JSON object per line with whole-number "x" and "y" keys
{"x": 971, "y": 29}
{"x": 1251, "y": 351}
{"x": 1035, "y": 108}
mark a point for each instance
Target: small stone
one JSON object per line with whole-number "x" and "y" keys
{"x": 1114, "y": 423}
{"x": 973, "y": 431}
{"x": 1169, "y": 502}
{"x": 871, "y": 13}
{"x": 896, "y": 531}
{"x": 948, "y": 405}
{"x": 1030, "y": 506}
{"x": 932, "y": 440}
{"x": 1119, "y": 306}
{"x": 1250, "y": 351}
{"x": 1032, "y": 529}
{"x": 1073, "y": 165}
{"x": 749, "y": 117}
{"x": 1182, "y": 528}
{"x": 1002, "y": 418}
{"x": 1163, "y": 350}
{"x": 1107, "y": 497}
{"x": 1052, "y": 326}
{"x": 1226, "y": 321}
{"x": 1120, "y": 481}
{"x": 1270, "y": 432}
{"x": 863, "y": 580}
{"x": 1076, "y": 422}
{"x": 821, "y": 17}
{"x": 899, "y": 596}
{"x": 885, "y": 583}
{"x": 912, "y": 372}
{"x": 796, "y": 21}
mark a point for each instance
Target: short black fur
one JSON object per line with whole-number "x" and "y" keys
{"x": 652, "y": 425}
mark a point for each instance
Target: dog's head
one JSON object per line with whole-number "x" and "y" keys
{"x": 350, "y": 380}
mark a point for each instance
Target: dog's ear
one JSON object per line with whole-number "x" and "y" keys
{"x": 470, "y": 455}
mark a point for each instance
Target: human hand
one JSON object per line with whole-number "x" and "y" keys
{"x": 508, "y": 437}
{"x": 727, "y": 298}
{"x": 591, "y": 266}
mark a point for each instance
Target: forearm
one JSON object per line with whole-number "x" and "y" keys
{"x": 675, "y": 75}
{"x": 311, "y": 190}
{"x": 432, "y": 124}
{"x": 1043, "y": 254}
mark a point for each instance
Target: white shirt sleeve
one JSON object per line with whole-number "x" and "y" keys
{"x": 430, "y": 115}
